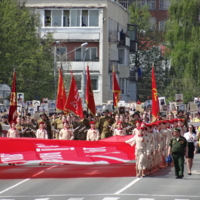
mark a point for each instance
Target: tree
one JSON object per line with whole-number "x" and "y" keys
{"x": 149, "y": 40}
{"x": 22, "y": 48}
{"x": 183, "y": 30}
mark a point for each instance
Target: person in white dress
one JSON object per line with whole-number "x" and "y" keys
{"x": 66, "y": 133}
{"x": 93, "y": 133}
{"x": 13, "y": 132}
{"x": 190, "y": 136}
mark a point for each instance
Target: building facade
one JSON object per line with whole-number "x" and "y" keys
{"x": 157, "y": 8}
{"x": 100, "y": 23}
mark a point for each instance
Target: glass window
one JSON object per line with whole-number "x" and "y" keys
{"x": 93, "y": 53}
{"x": 161, "y": 25}
{"x": 94, "y": 18}
{"x": 62, "y": 53}
{"x": 78, "y": 81}
{"x": 122, "y": 85}
{"x": 84, "y": 17}
{"x": 47, "y": 20}
{"x": 66, "y": 18}
{"x": 94, "y": 80}
{"x": 78, "y": 54}
{"x": 75, "y": 17}
{"x": 56, "y": 17}
{"x": 121, "y": 54}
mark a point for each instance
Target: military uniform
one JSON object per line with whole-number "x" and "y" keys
{"x": 93, "y": 135}
{"x": 58, "y": 125}
{"x": 105, "y": 123}
{"x": 13, "y": 133}
{"x": 178, "y": 149}
{"x": 66, "y": 134}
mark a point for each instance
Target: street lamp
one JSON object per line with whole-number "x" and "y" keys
{"x": 55, "y": 62}
{"x": 83, "y": 77}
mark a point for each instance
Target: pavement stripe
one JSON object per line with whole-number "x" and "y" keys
{"x": 130, "y": 184}
{"x": 110, "y": 198}
{"x": 15, "y": 185}
{"x": 181, "y": 199}
{"x": 146, "y": 199}
{"x": 43, "y": 199}
{"x": 76, "y": 199}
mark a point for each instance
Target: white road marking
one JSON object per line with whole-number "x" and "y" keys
{"x": 145, "y": 199}
{"x": 43, "y": 199}
{"x": 181, "y": 199}
{"x": 76, "y": 199}
{"x": 15, "y": 185}
{"x": 110, "y": 198}
{"x": 130, "y": 184}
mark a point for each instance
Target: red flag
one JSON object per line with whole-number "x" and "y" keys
{"x": 61, "y": 93}
{"x": 13, "y": 100}
{"x": 116, "y": 90}
{"x": 89, "y": 94}
{"x": 155, "y": 103}
{"x": 74, "y": 103}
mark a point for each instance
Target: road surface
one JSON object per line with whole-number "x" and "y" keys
{"x": 97, "y": 182}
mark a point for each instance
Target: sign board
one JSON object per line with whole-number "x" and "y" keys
{"x": 20, "y": 97}
{"x": 35, "y": 103}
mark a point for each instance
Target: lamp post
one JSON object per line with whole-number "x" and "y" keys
{"x": 83, "y": 77}
{"x": 55, "y": 63}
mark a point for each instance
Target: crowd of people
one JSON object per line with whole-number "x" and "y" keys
{"x": 155, "y": 142}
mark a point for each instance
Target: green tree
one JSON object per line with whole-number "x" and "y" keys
{"x": 22, "y": 48}
{"x": 149, "y": 39}
{"x": 182, "y": 36}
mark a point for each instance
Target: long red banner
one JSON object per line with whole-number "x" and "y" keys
{"x": 32, "y": 151}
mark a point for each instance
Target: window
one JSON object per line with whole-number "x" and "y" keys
{"x": 56, "y": 17}
{"x": 122, "y": 82}
{"x": 161, "y": 25}
{"x": 94, "y": 81}
{"x": 121, "y": 56}
{"x": 84, "y": 17}
{"x": 94, "y": 18}
{"x": 152, "y": 23}
{"x": 74, "y": 18}
{"x": 61, "y": 54}
{"x": 111, "y": 80}
{"x": 47, "y": 18}
{"x": 66, "y": 18}
{"x": 150, "y": 3}
{"x": 91, "y": 54}
{"x": 164, "y": 4}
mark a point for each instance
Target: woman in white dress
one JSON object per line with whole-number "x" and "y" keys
{"x": 190, "y": 136}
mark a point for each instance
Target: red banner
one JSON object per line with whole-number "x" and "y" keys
{"x": 116, "y": 90}
{"x": 32, "y": 150}
{"x": 155, "y": 103}
{"x": 74, "y": 103}
{"x": 61, "y": 93}
{"x": 13, "y": 100}
{"x": 89, "y": 94}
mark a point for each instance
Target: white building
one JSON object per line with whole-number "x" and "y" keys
{"x": 98, "y": 22}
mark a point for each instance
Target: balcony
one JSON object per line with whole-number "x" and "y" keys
{"x": 113, "y": 64}
{"x": 114, "y": 36}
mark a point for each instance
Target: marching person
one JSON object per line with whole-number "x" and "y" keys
{"x": 66, "y": 133}
{"x": 13, "y": 132}
{"x": 92, "y": 133}
{"x": 119, "y": 130}
{"x": 41, "y": 132}
{"x": 178, "y": 148}
{"x": 190, "y": 136}
{"x": 142, "y": 149}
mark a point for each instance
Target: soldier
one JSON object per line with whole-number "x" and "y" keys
{"x": 178, "y": 148}
{"x": 41, "y": 132}
{"x": 47, "y": 123}
{"x": 180, "y": 115}
{"x": 104, "y": 125}
{"x": 114, "y": 126}
{"x": 142, "y": 148}
{"x": 119, "y": 130}
{"x": 181, "y": 126}
{"x": 66, "y": 133}
{"x": 1, "y": 129}
{"x": 13, "y": 132}
{"x": 28, "y": 130}
{"x": 93, "y": 133}
{"x": 135, "y": 117}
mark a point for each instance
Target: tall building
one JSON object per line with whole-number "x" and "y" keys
{"x": 157, "y": 8}
{"x": 103, "y": 24}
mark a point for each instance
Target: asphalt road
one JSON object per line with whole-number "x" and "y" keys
{"x": 102, "y": 182}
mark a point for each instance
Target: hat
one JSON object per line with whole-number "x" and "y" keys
{"x": 92, "y": 122}
{"x": 177, "y": 129}
{"x": 181, "y": 120}
{"x": 175, "y": 120}
{"x": 106, "y": 111}
{"x": 163, "y": 122}
{"x": 141, "y": 128}
{"x": 138, "y": 121}
{"x": 42, "y": 114}
{"x": 180, "y": 111}
{"x": 148, "y": 125}
{"x": 171, "y": 121}
{"x": 119, "y": 122}
{"x": 66, "y": 122}
{"x": 13, "y": 122}
{"x": 136, "y": 113}
{"x": 41, "y": 122}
